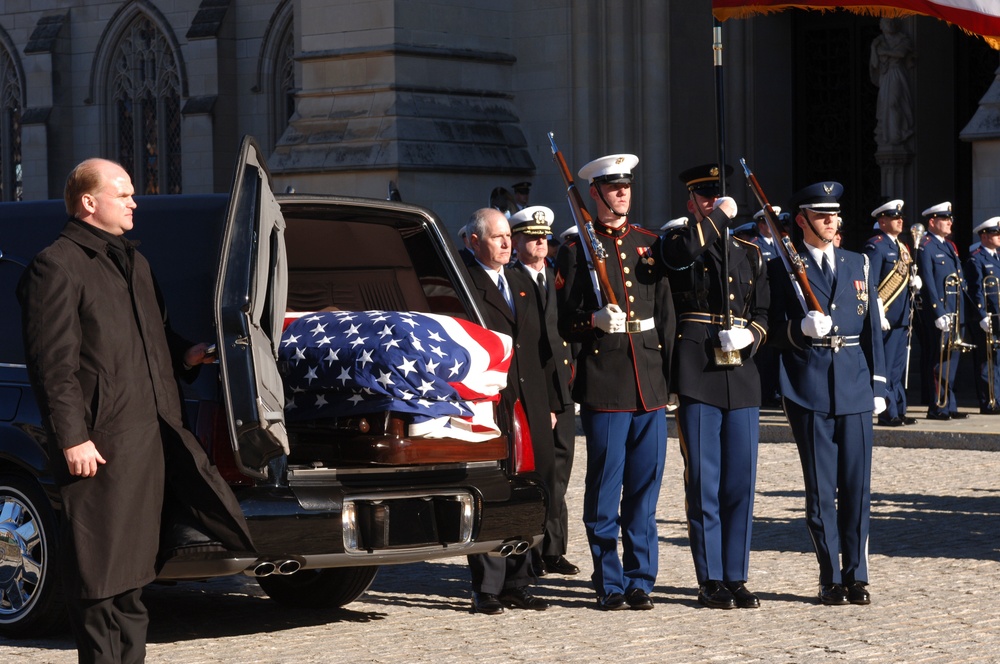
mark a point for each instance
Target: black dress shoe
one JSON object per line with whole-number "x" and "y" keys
{"x": 520, "y": 598}
{"x": 986, "y": 410}
{"x": 559, "y": 565}
{"x": 715, "y": 595}
{"x": 858, "y": 594}
{"x": 909, "y": 420}
{"x": 833, "y": 594}
{"x": 938, "y": 416}
{"x": 612, "y": 602}
{"x": 537, "y": 566}
{"x": 959, "y": 416}
{"x": 744, "y": 598}
{"x": 891, "y": 422}
{"x": 638, "y": 599}
{"x": 486, "y": 603}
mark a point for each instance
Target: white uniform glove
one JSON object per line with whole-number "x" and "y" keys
{"x": 985, "y": 324}
{"x": 735, "y": 339}
{"x": 728, "y": 205}
{"x": 673, "y": 402}
{"x": 879, "y": 405}
{"x": 881, "y": 315}
{"x": 942, "y": 322}
{"x": 916, "y": 282}
{"x": 816, "y": 325}
{"x": 610, "y": 319}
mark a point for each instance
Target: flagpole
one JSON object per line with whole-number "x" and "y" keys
{"x": 720, "y": 119}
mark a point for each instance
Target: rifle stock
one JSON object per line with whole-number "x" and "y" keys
{"x": 594, "y": 250}
{"x": 793, "y": 263}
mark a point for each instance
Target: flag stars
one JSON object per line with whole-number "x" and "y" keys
{"x": 331, "y": 356}
{"x": 353, "y": 329}
{"x": 291, "y": 339}
{"x": 455, "y": 369}
{"x": 300, "y": 354}
{"x": 345, "y": 375}
{"x": 392, "y": 343}
{"x": 425, "y": 386}
{"x": 386, "y": 331}
{"x": 385, "y": 379}
{"x": 434, "y": 336}
{"x": 311, "y": 375}
{"x": 408, "y": 366}
{"x": 321, "y": 401}
{"x": 432, "y": 366}
{"x": 366, "y": 358}
{"x": 320, "y": 328}
{"x": 437, "y": 351}
{"x": 360, "y": 341}
{"x": 324, "y": 341}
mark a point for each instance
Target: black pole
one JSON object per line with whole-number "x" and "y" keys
{"x": 720, "y": 118}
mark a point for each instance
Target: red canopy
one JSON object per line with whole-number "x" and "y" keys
{"x": 979, "y": 17}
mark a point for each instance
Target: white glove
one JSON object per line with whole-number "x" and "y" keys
{"x": 610, "y": 319}
{"x": 735, "y": 339}
{"x": 985, "y": 324}
{"x": 728, "y": 205}
{"x": 673, "y": 402}
{"x": 916, "y": 282}
{"x": 881, "y": 315}
{"x": 816, "y": 325}
{"x": 879, "y": 405}
{"x": 942, "y": 322}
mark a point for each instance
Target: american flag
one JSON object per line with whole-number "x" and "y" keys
{"x": 444, "y": 372}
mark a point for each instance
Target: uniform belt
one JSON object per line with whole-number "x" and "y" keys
{"x": 636, "y": 326}
{"x": 710, "y": 319}
{"x": 835, "y": 342}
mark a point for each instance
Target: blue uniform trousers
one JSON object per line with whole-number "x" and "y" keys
{"x": 894, "y": 342}
{"x": 625, "y": 457}
{"x": 836, "y": 456}
{"x": 720, "y": 472}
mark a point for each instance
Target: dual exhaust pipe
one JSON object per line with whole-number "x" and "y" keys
{"x": 511, "y": 548}
{"x": 269, "y": 567}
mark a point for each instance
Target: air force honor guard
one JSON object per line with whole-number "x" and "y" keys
{"x": 832, "y": 379}
{"x": 719, "y": 409}
{"x": 764, "y": 240}
{"x": 895, "y": 272}
{"x": 943, "y": 290}
{"x": 621, "y": 385}
{"x": 982, "y": 272}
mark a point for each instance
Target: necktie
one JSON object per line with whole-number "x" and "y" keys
{"x": 540, "y": 278}
{"x": 505, "y": 292}
{"x": 828, "y": 270}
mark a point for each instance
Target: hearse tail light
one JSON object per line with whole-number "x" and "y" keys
{"x": 524, "y": 450}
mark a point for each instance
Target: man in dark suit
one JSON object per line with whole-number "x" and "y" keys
{"x": 101, "y": 359}
{"x": 943, "y": 308}
{"x": 510, "y": 305}
{"x": 895, "y": 273}
{"x": 623, "y": 369}
{"x": 831, "y": 384}
{"x": 717, "y": 382}
{"x": 530, "y": 228}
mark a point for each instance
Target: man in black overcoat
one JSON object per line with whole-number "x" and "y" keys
{"x": 97, "y": 350}
{"x": 510, "y": 306}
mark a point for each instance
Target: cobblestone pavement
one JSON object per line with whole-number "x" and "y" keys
{"x": 935, "y": 564}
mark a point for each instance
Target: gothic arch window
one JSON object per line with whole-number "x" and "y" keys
{"x": 143, "y": 87}
{"x": 10, "y": 129}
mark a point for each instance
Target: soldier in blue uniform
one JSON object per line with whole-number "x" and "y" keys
{"x": 719, "y": 392}
{"x": 895, "y": 272}
{"x": 530, "y": 229}
{"x": 764, "y": 240}
{"x": 766, "y": 358}
{"x": 942, "y": 294}
{"x": 982, "y": 273}
{"x": 621, "y": 384}
{"x": 832, "y": 380}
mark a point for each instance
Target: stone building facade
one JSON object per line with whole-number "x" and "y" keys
{"x": 448, "y": 99}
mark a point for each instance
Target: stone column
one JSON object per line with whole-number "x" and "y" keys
{"x": 983, "y": 131}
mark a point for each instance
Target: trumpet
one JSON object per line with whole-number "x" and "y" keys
{"x": 991, "y": 293}
{"x": 951, "y": 338}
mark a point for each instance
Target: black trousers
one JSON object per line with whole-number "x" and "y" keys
{"x": 110, "y": 630}
{"x": 493, "y": 575}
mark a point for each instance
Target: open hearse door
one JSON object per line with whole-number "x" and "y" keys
{"x": 250, "y": 294}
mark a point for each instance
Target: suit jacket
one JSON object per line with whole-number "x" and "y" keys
{"x": 101, "y": 370}
{"x": 562, "y": 357}
{"x": 619, "y": 372}
{"x": 531, "y": 375}
{"x": 937, "y": 260}
{"x": 883, "y": 254}
{"x": 694, "y": 257}
{"x": 842, "y": 381}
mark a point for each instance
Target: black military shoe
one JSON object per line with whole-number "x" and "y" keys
{"x": 858, "y": 594}
{"x": 744, "y": 598}
{"x": 559, "y": 565}
{"x": 715, "y": 595}
{"x": 520, "y": 598}
{"x": 486, "y": 603}
{"x": 986, "y": 410}
{"x": 909, "y": 420}
{"x": 938, "y": 416}
{"x": 638, "y": 599}
{"x": 612, "y": 602}
{"x": 891, "y": 422}
{"x": 833, "y": 594}
{"x": 959, "y": 416}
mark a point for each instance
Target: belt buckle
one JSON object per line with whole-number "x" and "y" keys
{"x": 837, "y": 343}
{"x": 633, "y": 326}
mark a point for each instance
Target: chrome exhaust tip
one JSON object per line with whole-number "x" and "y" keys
{"x": 286, "y": 567}
{"x": 261, "y": 568}
{"x": 503, "y": 550}
{"x": 521, "y": 548}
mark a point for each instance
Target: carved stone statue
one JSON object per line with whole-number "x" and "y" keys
{"x": 891, "y": 57}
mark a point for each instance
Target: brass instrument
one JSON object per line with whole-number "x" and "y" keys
{"x": 951, "y": 338}
{"x": 991, "y": 293}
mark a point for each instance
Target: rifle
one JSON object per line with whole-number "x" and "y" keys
{"x": 791, "y": 259}
{"x": 592, "y": 247}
